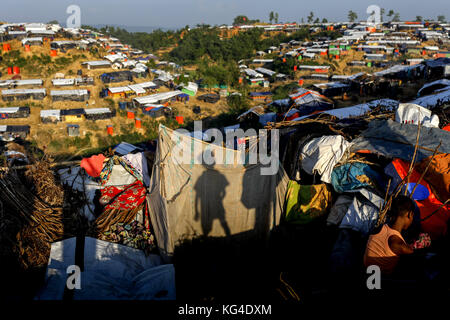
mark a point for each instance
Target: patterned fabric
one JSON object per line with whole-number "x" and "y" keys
{"x": 424, "y": 241}
{"x": 123, "y": 198}
{"x": 107, "y": 169}
{"x": 133, "y": 235}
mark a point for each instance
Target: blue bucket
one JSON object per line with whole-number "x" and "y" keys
{"x": 421, "y": 192}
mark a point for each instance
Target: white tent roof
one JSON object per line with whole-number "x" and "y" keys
{"x": 68, "y": 92}
{"x": 23, "y": 91}
{"x": 154, "y": 98}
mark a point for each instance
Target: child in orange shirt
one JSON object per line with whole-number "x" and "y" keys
{"x": 385, "y": 248}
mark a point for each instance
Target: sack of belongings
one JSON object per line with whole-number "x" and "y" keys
{"x": 304, "y": 203}
{"x": 352, "y": 176}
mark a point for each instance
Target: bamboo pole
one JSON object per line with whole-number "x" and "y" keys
{"x": 411, "y": 166}
{"x": 425, "y": 171}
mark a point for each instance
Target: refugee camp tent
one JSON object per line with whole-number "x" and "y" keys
{"x": 14, "y": 112}
{"x": 415, "y": 114}
{"x": 209, "y": 97}
{"x": 331, "y": 89}
{"x": 32, "y": 41}
{"x": 431, "y": 87}
{"x": 118, "y": 76}
{"x": 63, "y": 82}
{"x": 11, "y": 132}
{"x": 99, "y": 113}
{"x": 156, "y": 111}
{"x": 63, "y": 44}
{"x": 437, "y": 68}
{"x": 77, "y": 178}
{"x": 261, "y": 96}
{"x": 308, "y": 101}
{"x": 23, "y": 94}
{"x": 21, "y": 83}
{"x": 125, "y": 148}
{"x": 73, "y": 130}
{"x": 190, "y": 89}
{"x": 188, "y": 198}
{"x": 72, "y": 115}
{"x": 109, "y": 272}
{"x": 69, "y": 95}
{"x": 101, "y": 64}
{"x": 49, "y": 116}
{"x": 156, "y": 98}
{"x": 395, "y": 140}
{"x": 434, "y": 100}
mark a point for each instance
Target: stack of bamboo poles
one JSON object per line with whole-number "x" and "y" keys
{"x": 33, "y": 213}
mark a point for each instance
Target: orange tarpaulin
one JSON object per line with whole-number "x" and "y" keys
{"x": 433, "y": 217}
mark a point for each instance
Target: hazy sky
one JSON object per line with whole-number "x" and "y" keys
{"x": 178, "y": 13}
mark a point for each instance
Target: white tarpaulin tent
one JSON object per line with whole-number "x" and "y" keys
{"x": 413, "y": 113}
{"x": 110, "y": 272}
{"x": 322, "y": 154}
{"x": 188, "y": 199}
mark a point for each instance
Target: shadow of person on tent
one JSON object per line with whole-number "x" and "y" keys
{"x": 259, "y": 188}
{"x": 209, "y": 196}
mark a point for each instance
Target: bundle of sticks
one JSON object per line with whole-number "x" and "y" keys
{"x": 35, "y": 216}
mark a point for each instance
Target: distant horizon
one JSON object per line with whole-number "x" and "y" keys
{"x": 176, "y": 14}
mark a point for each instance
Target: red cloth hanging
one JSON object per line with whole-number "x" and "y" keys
{"x": 93, "y": 165}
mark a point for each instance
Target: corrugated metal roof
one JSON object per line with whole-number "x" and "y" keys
{"x": 50, "y": 113}
{"x": 137, "y": 88}
{"x": 154, "y": 98}
{"x": 9, "y": 110}
{"x": 63, "y": 82}
{"x": 97, "y": 63}
{"x": 38, "y": 39}
{"x": 119, "y": 89}
{"x": 124, "y": 148}
{"x": 80, "y": 92}
{"x": 97, "y": 110}
{"x": 23, "y": 91}
{"x": 29, "y": 82}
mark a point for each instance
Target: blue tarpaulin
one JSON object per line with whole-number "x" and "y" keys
{"x": 351, "y": 176}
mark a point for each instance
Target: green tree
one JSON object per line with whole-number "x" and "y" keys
{"x": 240, "y": 20}
{"x": 271, "y": 16}
{"x": 276, "y": 17}
{"x": 382, "y": 11}
{"x": 396, "y": 17}
{"x": 317, "y": 20}
{"x": 324, "y": 20}
{"x": 310, "y": 17}
{"x": 53, "y": 22}
{"x": 441, "y": 18}
{"x": 390, "y": 13}
{"x": 419, "y": 18}
{"x": 352, "y": 16}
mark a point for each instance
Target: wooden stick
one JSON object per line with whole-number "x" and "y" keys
{"x": 425, "y": 171}
{"x": 411, "y": 166}
{"x": 440, "y": 207}
{"x": 383, "y": 213}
